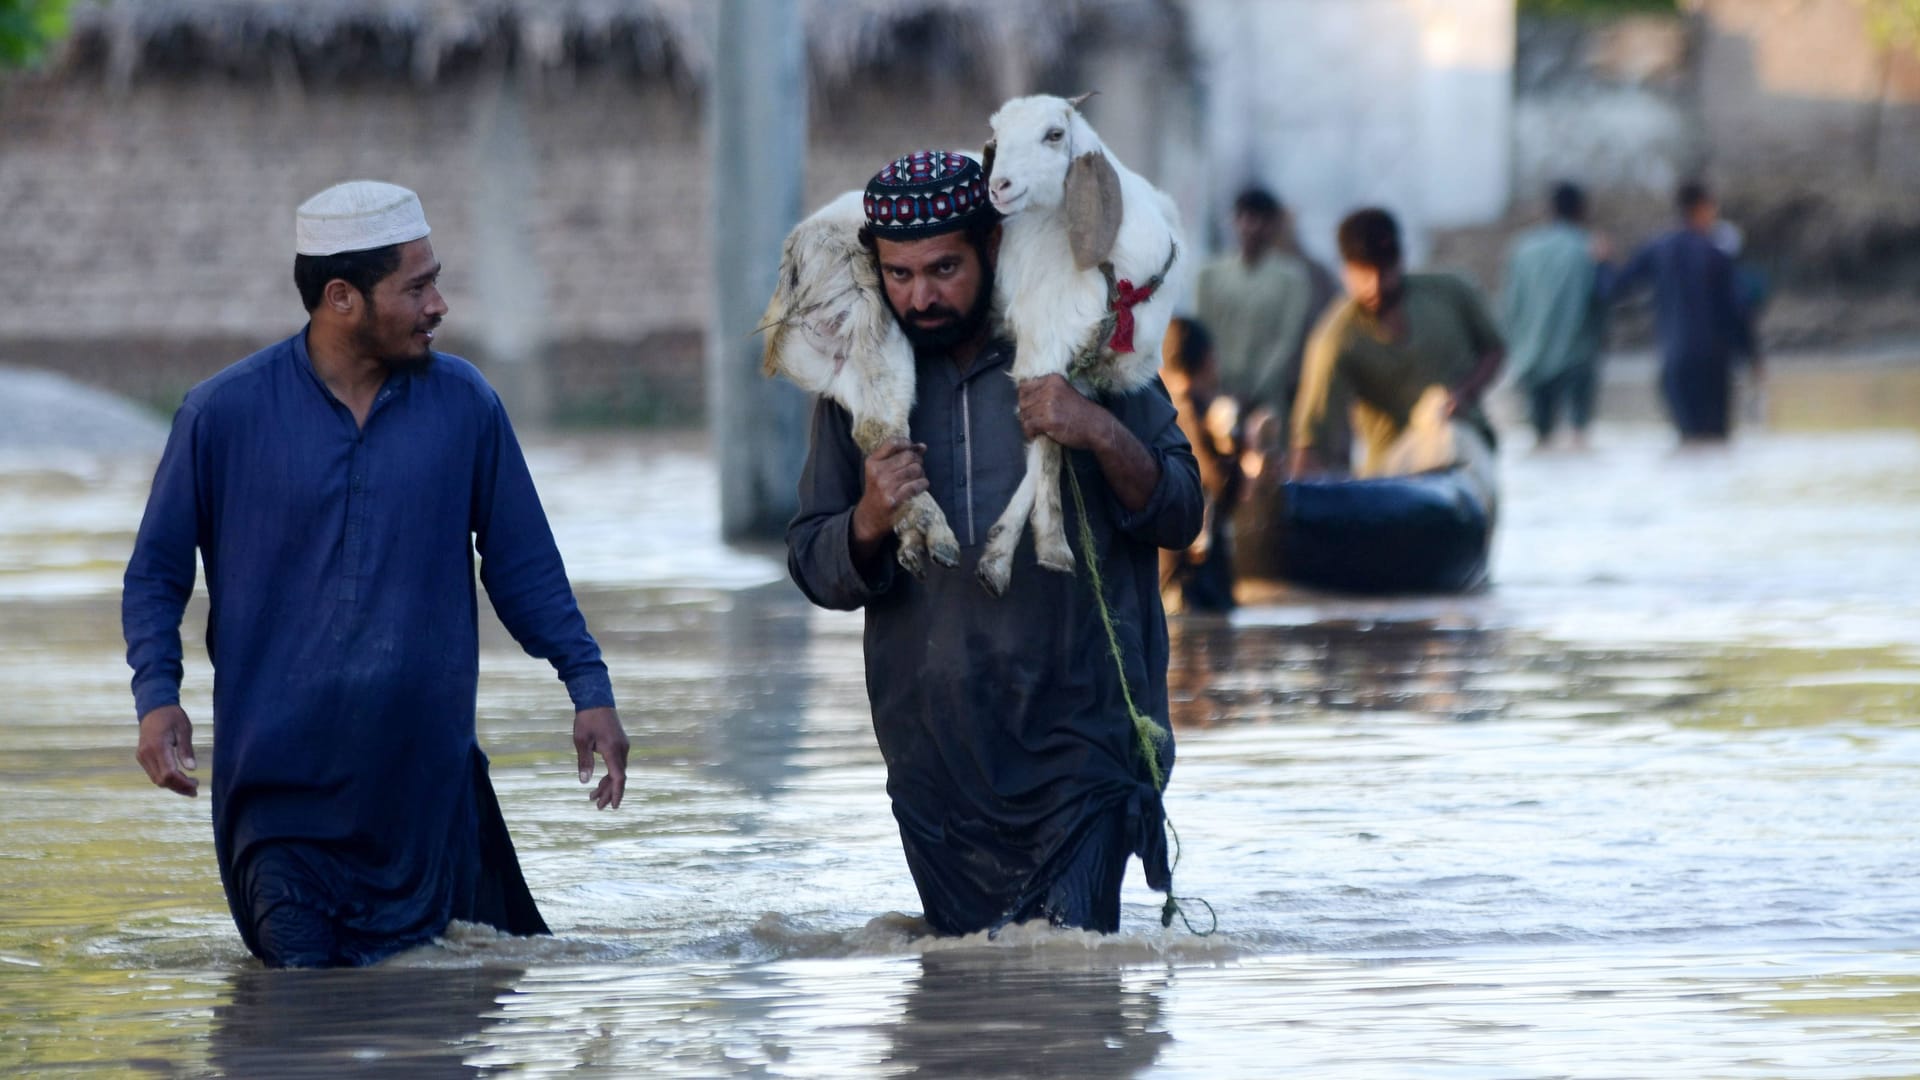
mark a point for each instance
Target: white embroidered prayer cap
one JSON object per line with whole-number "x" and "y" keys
{"x": 359, "y": 215}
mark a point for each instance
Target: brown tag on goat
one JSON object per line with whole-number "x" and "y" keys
{"x": 1093, "y": 209}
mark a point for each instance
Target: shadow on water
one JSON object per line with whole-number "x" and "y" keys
{"x": 390, "y": 1022}
{"x": 1092, "y": 1023}
{"x": 1223, "y": 674}
{"x": 753, "y": 740}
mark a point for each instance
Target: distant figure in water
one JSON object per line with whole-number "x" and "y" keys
{"x": 1704, "y": 322}
{"x": 337, "y": 486}
{"x": 1375, "y": 355}
{"x": 1259, "y": 303}
{"x": 1201, "y": 577}
{"x": 1012, "y": 762}
{"x": 1553, "y": 310}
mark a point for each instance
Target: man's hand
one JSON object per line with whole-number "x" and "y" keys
{"x": 894, "y": 475}
{"x": 1050, "y": 406}
{"x": 598, "y": 730}
{"x": 166, "y": 749}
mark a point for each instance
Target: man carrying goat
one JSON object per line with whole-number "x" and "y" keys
{"x": 1016, "y": 777}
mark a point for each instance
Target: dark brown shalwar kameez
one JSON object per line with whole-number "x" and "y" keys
{"x": 1011, "y": 762}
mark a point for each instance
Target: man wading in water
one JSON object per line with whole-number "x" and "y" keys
{"x": 1012, "y": 763}
{"x": 337, "y": 486}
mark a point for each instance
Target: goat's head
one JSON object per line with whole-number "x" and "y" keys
{"x": 1045, "y": 157}
{"x": 1035, "y": 141}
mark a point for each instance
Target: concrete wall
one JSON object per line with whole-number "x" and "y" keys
{"x": 1798, "y": 88}
{"x": 1401, "y": 103}
{"x": 1745, "y": 92}
{"x": 149, "y": 234}
{"x": 1610, "y": 104}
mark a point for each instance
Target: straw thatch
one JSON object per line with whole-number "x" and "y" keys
{"x": 426, "y": 40}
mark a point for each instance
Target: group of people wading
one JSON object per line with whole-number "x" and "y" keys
{"x": 338, "y": 485}
{"x": 1277, "y": 376}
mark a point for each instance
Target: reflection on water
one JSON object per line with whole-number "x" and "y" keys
{"x": 396, "y": 1022}
{"x": 1094, "y": 1021}
{"x": 1641, "y": 808}
{"x": 755, "y": 738}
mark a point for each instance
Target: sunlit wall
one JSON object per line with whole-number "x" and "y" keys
{"x": 1402, "y": 103}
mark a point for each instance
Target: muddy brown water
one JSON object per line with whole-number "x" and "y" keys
{"x": 1644, "y": 807}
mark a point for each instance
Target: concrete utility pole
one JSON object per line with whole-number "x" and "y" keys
{"x": 510, "y": 316}
{"x": 757, "y": 142}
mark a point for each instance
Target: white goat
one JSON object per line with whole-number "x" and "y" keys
{"x": 1086, "y": 250}
{"x": 830, "y": 332}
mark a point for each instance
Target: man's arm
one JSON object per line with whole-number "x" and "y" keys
{"x": 840, "y": 543}
{"x": 1488, "y": 345}
{"x": 894, "y": 473}
{"x": 158, "y": 583}
{"x": 527, "y": 583}
{"x": 1467, "y": 393}
{"x": 1321, "y": 393}
{"x": 1153, "y": 475}
{"x": 1616, "y": 283}
{"x": 1737, "y": 316}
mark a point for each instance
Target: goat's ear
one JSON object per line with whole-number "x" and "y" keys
{"x": 986, "y": 157}
{"x": 1093, "y": 208}
{"x": 1076, "y": 102}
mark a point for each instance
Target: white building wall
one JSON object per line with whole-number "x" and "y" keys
{"x": 1337, "y": 104}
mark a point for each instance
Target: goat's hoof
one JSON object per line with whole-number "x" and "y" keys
{"x": 993, "y": 573}
{"x": 912, "y": 558}
{"x": 945, "y": 551}
{"x": 1058, "y": 558}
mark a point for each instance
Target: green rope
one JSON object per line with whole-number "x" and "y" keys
{"x": 1172, "y": 907}
{"x": 1146, "y": 735}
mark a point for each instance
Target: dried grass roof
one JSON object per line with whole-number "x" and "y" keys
{"x": 426, "y": 39}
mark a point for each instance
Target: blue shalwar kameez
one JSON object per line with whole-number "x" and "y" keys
{"x": 348, "y": 784}
{"x": 1702, "y": 323}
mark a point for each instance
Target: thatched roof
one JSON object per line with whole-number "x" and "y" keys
{"x": 425, "y": 40}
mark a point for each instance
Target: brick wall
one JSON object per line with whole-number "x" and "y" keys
{"x": 149, "y": 233}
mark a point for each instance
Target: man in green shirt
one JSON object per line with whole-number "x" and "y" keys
{"x": 1256, "y": 305}
{"x": 1376, "y": 353}
{"x": 1553, "y": 312}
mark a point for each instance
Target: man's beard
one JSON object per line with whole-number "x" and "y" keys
{"x": 367, "y": 340}
{"x": 958, "y": 329}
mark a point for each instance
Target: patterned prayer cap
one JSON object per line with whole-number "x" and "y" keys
{"x": 924, "y": 194}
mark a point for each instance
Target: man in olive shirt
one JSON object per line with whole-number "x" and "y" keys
{"x": 1257, "y": 305}
{"x": 1375, "y": 354}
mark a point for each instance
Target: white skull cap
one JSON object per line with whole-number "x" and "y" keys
{"x": 359, "y": 215}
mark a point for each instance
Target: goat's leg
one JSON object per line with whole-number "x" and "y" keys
{"x": 996, "y": 562}
{"x": 868, "y": 435}
{"x": 942, "y": 546}
{"x": 1050, "y": 545}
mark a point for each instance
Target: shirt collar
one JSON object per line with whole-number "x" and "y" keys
{"x": 995, "y": 356}
{"x": 395, "y": 383}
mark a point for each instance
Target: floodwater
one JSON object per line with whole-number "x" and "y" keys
{"x": 1644, "y": 808}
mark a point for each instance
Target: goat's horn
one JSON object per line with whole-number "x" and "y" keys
{"x": 1076, "y": 102}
